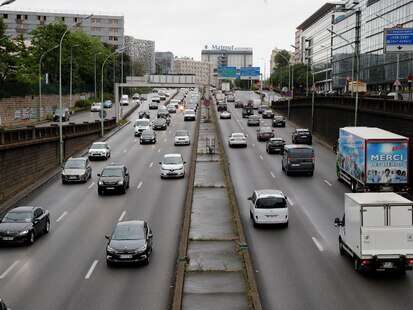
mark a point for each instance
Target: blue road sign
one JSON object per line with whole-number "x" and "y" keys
{"x": 227, "y": 72}
{"x": 398, "y": 40}
{"x": 250, "y": 73}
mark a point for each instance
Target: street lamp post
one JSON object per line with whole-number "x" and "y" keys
{"x": 40, "y": 78}
{"x": 71, "y": 73}
{"x": 312, "y": 101}
{"x": 7, "y": 2}
{"x": 289, "y": 83}
{"x": 95, "y": 56}
{"x": 61, "y": 157}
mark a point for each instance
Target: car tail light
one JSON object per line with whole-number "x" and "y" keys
{"x": 410, "y": 262}
{"x": 365, "y": 262}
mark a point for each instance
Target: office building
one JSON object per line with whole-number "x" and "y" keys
{"x": 201, "y": 69}
{"x": 108, "y": 28}
{"x": 141, "y": 51}
{"x": 164, "y": 62}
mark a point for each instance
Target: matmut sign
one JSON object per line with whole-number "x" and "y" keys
{"x": 398, "y": 40}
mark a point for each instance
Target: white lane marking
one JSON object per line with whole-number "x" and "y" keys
{"x": 8, "y": 270}
{"x": 253, "y": 145}
{"x": 140, "y": 185}
{"x": 136, "y": 140}
{"x": 328, "y": 183}
{"x": 272, "y": 174}
{"x": 92, "y": 268}
{"x": 318, "y": 244}
{"x": 165, "y": 140}
{"x": 91, "y": 185}
{"x": 122, "y": 216}
{"x": 159, "y": 150}
{"x": 262, "y": 158}
{"x": 125, "y": 151}
{"x": 61, "y": 217}
{"x": 290, "y": 202}
{"x": 151, "y": 165}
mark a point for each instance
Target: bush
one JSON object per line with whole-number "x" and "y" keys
{"x": 83, "y": 104}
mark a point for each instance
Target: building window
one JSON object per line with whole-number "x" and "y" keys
{"x": 110, "y": 38}
{"x": 26, "y": 17}
{"x": 5, "y": 16}
{"x": 115, "y": 38}
{"x": 18, "y": 17}
{"x": 76, "y": 19}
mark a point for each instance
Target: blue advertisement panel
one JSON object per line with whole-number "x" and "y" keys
{"x": 387, "y": 163}
{"x": 227, "y": 72}
{"x": 351, "y": 154}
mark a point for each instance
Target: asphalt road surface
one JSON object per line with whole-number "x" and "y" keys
{"x": 66, "y": 269}
{"x": 299, "y": 267}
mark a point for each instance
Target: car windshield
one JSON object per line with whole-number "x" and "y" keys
{"x": 301, "y": 153}
{"x": 271, "y": 203}
{"x": 18, "y": 217}
{"x": 147, "y": 135}
{"x": 112, "y": 172}
{"x": 128, "y": 232}
{"x": 98, "y": 146}
{"x": 254, "y": 117}
{"x": 238, "y": 136}
{"x": 181, "y": 133}
{"x": 142, "y": 123}
{"x": 75, "y": 164}
{"x": 276, "y": 141}
{"x": 175, "y": 160}
{"x": 265, "y": 130}
{"x": 279, "y": 118}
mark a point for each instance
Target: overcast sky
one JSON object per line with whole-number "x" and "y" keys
{"x": 184, "y": 27}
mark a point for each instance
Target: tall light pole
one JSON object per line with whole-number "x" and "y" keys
{"x": 61, "y": 157}
{"x": 7, "y": 2}
{"x": 103, "y": 67}
{"x": 40, "y": 78}
{"x": 71, "y": 73}
{"x": 95, "y": 57}
{"x": 289, "y": 83}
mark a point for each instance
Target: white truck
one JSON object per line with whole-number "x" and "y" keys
{"x": 376, "y": 231}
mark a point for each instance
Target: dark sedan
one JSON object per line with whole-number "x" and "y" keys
{"x": 302, "y": 136}
{"x": 144, "y": 114}
{"x": 278, "y": 121}
{"x": 268, "y": 114}
{"x": 24, "y": 225}
{"x": 113, "y": 178}
{"x": 239, "y": 104}
{"x": 264, "y": 133}
{"x": 275, "y": 145}
{"x": 131, "y": 242}
{"x": 148, "y": 137}
{"x": 253, "y": 120}
{"x": 159, "y": 124}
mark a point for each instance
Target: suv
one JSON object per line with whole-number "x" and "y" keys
{"x": 268, "y": 207}
{"x": 264, "y": 133}
{"x": 247, "y": 111}
{"x": 268, "y": 114}
{"x": 253, "y": 120}
{"x": 76, "y": 170}
{"x": 298, "y": 158}
{"x": 302, "y": 136}
{"x": 182, "y": 137}
{"x": 113, "y": 178}
{"x": 275, "y": 145}
{"x": 172, "y": 166}
{"x": 278, "y": 121}
{"x": 99, "y": 150}
{"x": 63, "y": 112}
{"x": 159, "y": 124}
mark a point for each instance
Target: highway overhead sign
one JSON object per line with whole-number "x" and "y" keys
{"x": 398, "y": 40}
{"x": 227, "y": 72}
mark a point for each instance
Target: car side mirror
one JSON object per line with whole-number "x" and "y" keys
{"x": 337, "y": 222}
{"x": 160, "y": 163}
{"x": 150, "y": 235}
{"x": 249, "y": 198}
{"x": 107, "y": 237}
{"x": 98, "y": 174}
{"x": 184, "y": 162}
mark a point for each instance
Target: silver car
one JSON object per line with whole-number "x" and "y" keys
{"x": 76, "y": 170}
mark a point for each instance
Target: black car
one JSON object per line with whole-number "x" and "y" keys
{"x": 262, "y": 108}
{"x": 278, "y": 121}
{"x": 268, "y": 114}
{"x": 239, "y": 104}
{"x": 131, "y": 242}
{"x": 247, "y": 111}
{"x": 298, "y": 159}
{"x": 3, "y": 305}
{"x": 222, "y": 107}
{"x": 302, "y": 136}
{"x": 148, "y": 137}
{"x": 76, "y": 170}
{"x": 275, "y": 145}
{"x": 24, "y": 225}
{"x": 264, "y": 133}
{"x": 159, "y": 124}
{"x": 144, "y": 114}
{"x": 113, "y": 178}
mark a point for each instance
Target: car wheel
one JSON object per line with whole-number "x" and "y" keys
{"x": 47, "y": 227}
{"x": 311, "y": 173}
{"x": 123, "y": 190}
{"x": 287, "y": 172}
{"x": 254, "y": 223}
{"x": 100, "y": 192}
{"x": 30, "y": 241}
{"x": 147, "y": 260}
{"x": 63, "y": 181}
{"x": 127, "y": 185}
{"x": 356, "y": 264}
{"x": 109, "y": 263}
{"x": 286, "y": 225}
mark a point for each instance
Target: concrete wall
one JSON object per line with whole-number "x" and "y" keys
{"x": 28, "y": 154}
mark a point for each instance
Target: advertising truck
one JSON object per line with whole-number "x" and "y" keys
{"x": 376, "y": 231}
{"x": 372, "y": 159}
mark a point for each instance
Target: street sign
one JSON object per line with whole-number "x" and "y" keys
{"x": 227, "y": 72}
{"x": 249, "y": 73}
{"x": 206, "y": 102}
{"x": 398, "y": 40}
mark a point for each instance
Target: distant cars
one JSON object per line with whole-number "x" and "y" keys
{"x": 76, "y": 170}
{"x": 24, "y": 225}
{"x": 99, "y": 150}
{"x": 159, "y": 124}
{"x": 107, "y": 104}
{"x": 268, "y": 207}
{"x": 96, "y": 107}
{"x": 262, "y": 108}
{"x": 182, "y": 137}
{"x": 148, "y": 137}
{"x": 172, "y": 166}
{"x": 268, "y": 114}
{"x": 222, "y": 107}
{"x": 225, "y": 115}
{"x": 175, "y": 103}
{"x": 141, "y": 125}
{"x": 298, "y": 159}
{"x": 247, "y": 111}
{"x": 302, "y": 136}
{"x": 189, "y": 115}
{"x": 144, "y": 114}
{"x": 275, "y": 145}
{"x": 153, "y": 105}
{"x": 171, "y": 108}
{"x": 264, "y": 134}
{"x": 278, "y": 121}
{"x": 65, "y": 113}
{"x": 253, "y": 120}
{"x": 230, "y": 98}
{"x": 113, "y": 178}
{"x": 237, "y": 139}
{"x": 131, "y": 242}
{"x": 239, "y": 104}
{"x": 124, "y": 100}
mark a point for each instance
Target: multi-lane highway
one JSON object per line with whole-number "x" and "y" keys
{"x": 299, "y": 267}
{"x": 66, "y": 269}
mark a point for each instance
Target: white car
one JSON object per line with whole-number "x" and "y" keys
{"x": 175, "y": 102}
{"x": 225, "y": 115}
{"x": 237, "y": 139}
{"x": 268, "y": 207}
{"x": 189, "y": 115}
{"x": 96, "y": 107}
{"x": 182, "y": 137}
{"x": 99, "y": 150}
{"x": 141, "y": 125}
{"x": 171, "y": 108}
{"x": 172, "y": 166}
{"x": 124, "y": 100}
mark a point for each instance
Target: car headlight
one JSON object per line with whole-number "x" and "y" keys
{"x": 24, "y": 232}
{"x": 100, "y": 183}
{"x": 120, "y": 183}
{"x": 142, "y": 249}
{"x": 110, "y": 249}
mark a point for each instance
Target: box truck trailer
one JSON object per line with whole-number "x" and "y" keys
{"x": 372, "y": 159}
{"x": 376, "y": 231}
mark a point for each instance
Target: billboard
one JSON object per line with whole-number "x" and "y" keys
{"x": 398, "y": 40}
{"x": 227, "y": 72}
{"x": 249, "y": 73}
{"x": 351, "y": 154}
{"x": 387, "y": 162}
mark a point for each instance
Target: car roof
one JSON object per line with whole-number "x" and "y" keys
{"x": 301, "y": 129}
{"x": 262, "y": 193}
{"x": 298, "y": 146}
{"x": 114, "y": 165}
{"x": 238, "y": 133}
{"x": 98, "y": 143}
{"x": 172, "y": 155}
{"x": 128, "y": 223}
{"x": 77, "y": 158}
{"x": 277, "y": 139}
{"x": 23, "y": 209}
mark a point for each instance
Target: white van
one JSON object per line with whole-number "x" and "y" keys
{"x": 124, "y": 100}
{"x": 268, "y": 207}
{"x": 141, "y": 125}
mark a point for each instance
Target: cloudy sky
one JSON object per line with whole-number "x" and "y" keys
{"x": 184, "y": 27}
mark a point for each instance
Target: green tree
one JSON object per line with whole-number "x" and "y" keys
{"x": 282, "y": 59}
